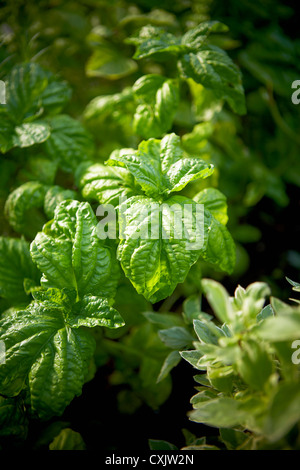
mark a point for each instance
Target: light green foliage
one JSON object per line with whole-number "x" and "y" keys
{"x": 246, "y": 364}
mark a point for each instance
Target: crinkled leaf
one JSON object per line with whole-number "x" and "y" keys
{"x": 33, "y": 91}
{"x": 25, "y": 84}
{"x": 42, "y": 349}
{"x": 154, "y": 41}
{"x": 105, "y": 184}
{"x": 22, "y": 208}
{"x": 48, "y": 351}
{"x": 69, "y": 143}
{"x": 22, "y": 135}
{"x": 195, "y": 37}
{"x": 70, "y": 254}
{"x": 56, "y": 95}
{"x": 160, "y": 167}
{"x": 213, "y": 68}
{"x": 159, "y": 243}
{"x": 94, "y": 311}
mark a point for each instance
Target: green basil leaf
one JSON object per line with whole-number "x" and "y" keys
{"x": 158, "y": 243}
{"x": 70, "y": 254}
{"x": 25, "y": 84}
{"x": 157, "y": 98}
{"x": 69, "y": 143}
{"x": 33, "y": 91}
{"x": 94, "y": 311}
{"x": 22, "y": 208}
{"x": 220, "y": 249}
{"x": 152, "y": 40}
{"x": 213, "y": 68}
{"x": 159, "y": 166}
{"x": 46, "y": 350}
{"x": 215, "y": 202}
{"x": 195, "y": 37}
{"x": 54, "y": 358}
{"x": 30, "y": 133}
{"x": 105, "y": 184}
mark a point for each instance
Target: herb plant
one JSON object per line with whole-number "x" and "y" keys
{"x": 144, "y": 147}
